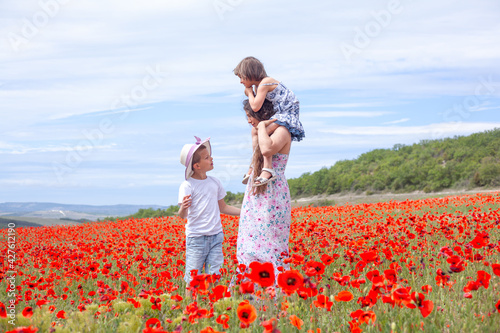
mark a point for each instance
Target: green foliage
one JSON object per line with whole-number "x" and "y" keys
{"x": 428, "y": 166}
{"x": 234, "y": 198}
{"x": 148, "y": 213}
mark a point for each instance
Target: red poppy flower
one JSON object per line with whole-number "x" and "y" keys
{"x": 497, "y": 306}
{"x": 372, "y": 274}
{"x": 3, "y": 311}
{"x": 479, "y": 241}
{"x": 296, "y": 321}
{"x": 61, "y": 314}
{"x": 323, "y": 301}
{"x": 483, "y": 279}
{"x": 342, "y": 280}
{"x": 369, "y": 300}
{"x": 219, "y": 292}
{"x": 290, "y": 281}
{"x": 357, "y": 283}
{"x": 153, "y": 323}
{"x": 262, "y": 274}
{"x": 246, "y": 312}
{"x": 223, "y": 319}
{"x": 41, "y": 302}
{"x": 454, "y": 260}
{"x": 314, "y": 268}
{"x": 471, "y": 285}
{"x": 326, "y": 259}
{"x": 156, "y": 303}
{"x": 23, "y": 329}
{"x": 200, "y": 282}
{"x": 123, "y": 287}
{"x": 269, "y": 325}
{"x": 306, "y": 292}
{"x": 425, "y": 306}
{"x": 247, "y": 287}
{"x": 364, "y": 316}
{"x": 427, "y": 289}
{"x": 390, "y": 275}
{"x": 344, "y": 296}
{"x": 354, "y": 327}
{"x": 496, "y": 269}
{"x": 28, "y": 312}
{"x": 369, "y": 256}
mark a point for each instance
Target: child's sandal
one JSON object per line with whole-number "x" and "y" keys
{"x": 245, "y": 178}
{"x": 259, "y": 181}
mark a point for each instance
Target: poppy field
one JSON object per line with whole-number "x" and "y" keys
{"x": 430, "y": 265}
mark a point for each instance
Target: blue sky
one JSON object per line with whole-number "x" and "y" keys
{"x": 97, "y": 98}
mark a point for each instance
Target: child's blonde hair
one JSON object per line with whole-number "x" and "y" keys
{"x": 250, "y": 68}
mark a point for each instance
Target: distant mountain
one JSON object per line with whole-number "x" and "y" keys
{"x": 73, "y": 211}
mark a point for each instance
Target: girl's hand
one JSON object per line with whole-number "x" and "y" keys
{"x": 266, "y": 123}
{"x": 248, "y": 91}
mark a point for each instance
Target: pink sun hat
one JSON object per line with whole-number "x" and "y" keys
{"x": 187, "y": 153}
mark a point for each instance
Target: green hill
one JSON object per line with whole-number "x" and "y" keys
{"x": 431, "y": 165}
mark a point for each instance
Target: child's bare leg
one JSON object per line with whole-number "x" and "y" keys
{"x": 268, "y": 160}
{"x": 268, "y": 163}
{"x": 271, "y": 128}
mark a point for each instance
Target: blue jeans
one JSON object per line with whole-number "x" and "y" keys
{"x": 204, "y": 250}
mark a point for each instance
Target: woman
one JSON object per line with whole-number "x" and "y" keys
{"x": 264, "y": 228}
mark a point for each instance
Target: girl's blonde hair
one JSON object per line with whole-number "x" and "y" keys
{"x": 265, "y": 113}
{"x": 250, "y": 68}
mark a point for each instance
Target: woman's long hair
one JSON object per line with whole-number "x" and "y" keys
{"x": 265, "y": 113}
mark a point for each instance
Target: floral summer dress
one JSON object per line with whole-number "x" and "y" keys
{"x": 264, "y": 228}
{"x": 287, "y": 109}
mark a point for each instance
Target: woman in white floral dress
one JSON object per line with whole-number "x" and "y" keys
{"x": 264, "y": 227}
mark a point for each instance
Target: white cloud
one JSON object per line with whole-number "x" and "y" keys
{"x": 399, "y": 121}
{"x": 343, "y": 105}
{"x": 347, "y": 114}
{"x": 83, "y": 149}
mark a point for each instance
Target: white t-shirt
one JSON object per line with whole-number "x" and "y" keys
{"x": 204, "y": 214}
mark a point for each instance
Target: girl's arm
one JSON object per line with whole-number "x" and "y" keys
{"x": 257, "y": 100}
{"x": 271, "y": 144}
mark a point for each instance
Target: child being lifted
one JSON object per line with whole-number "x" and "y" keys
{"x": 258, "y": 87}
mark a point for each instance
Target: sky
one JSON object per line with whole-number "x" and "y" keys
{"x": 97, "y": 98}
